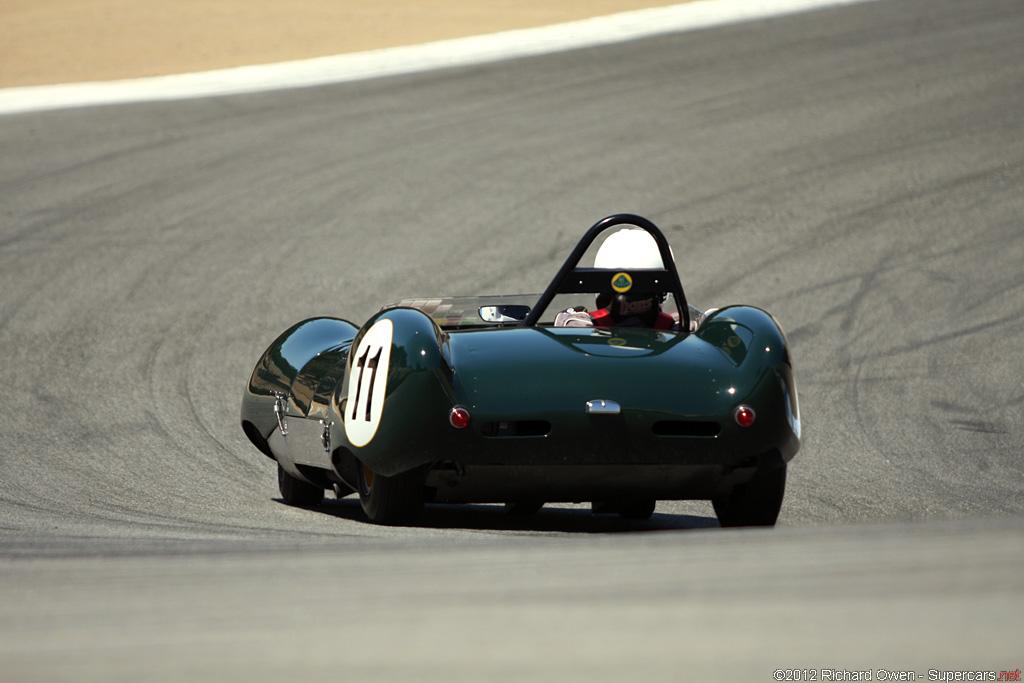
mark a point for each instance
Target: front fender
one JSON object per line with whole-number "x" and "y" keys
{"x": 275, "y": 384}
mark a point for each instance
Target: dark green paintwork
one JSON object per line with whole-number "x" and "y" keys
{"x": 737, "y": 356}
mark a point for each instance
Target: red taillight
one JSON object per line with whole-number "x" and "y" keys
{"x": 744, "y": 416}
{"x": 459, "y": 417}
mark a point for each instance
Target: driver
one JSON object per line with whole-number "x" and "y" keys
{"x": 627, "y": 249}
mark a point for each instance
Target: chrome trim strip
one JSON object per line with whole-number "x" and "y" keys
{"x": 600, "y": 406}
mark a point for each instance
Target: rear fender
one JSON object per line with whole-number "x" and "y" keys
{"x": 397, "y": 392}
{"x": 754, "y": 342}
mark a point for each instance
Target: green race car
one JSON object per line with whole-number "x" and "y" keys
{"x": 607, "y": 388}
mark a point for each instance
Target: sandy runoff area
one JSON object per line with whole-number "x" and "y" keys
{"x": 70, "y": 41}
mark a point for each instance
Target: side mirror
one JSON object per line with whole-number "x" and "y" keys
{"x": 509, "y": 313}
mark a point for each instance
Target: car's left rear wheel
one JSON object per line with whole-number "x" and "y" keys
{"x": 394, "y": 501}
{"x": 297, "y": 492}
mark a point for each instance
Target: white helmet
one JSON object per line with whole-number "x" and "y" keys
{"x": 629, "y": 249}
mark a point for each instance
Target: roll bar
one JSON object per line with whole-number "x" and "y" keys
{"x": 571, "y": 279}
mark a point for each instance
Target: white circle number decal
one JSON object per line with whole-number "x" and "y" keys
{"x": 367, "y": 383}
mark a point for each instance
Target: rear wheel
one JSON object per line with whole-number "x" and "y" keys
{"x": 297, "y": 492}
{"x": 756, "y": 503}
{"x": 394, "y": 501}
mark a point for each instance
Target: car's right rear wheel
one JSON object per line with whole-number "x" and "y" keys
{"x": 393, "y": 501}
{"x": 756, "y": 503}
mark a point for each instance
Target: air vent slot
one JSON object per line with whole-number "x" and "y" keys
{"x": 516, "y": 428}
{"x": 692, "y": 428}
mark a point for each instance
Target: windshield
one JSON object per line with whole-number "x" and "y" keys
{"x": 452, "y": 313}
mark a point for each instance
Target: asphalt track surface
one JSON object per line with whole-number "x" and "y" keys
{"x": 856, "y": 171}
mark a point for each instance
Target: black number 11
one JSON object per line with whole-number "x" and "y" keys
{"x": 364, "y": 362}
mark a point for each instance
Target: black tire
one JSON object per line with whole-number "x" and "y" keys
{"x": 756, "y": 503}
{"x": 523, "y": 508}
{"x": 297, "y": 492}
{"x": 392, "y": 501}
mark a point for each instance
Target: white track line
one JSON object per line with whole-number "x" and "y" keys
{"x": 615, "y": 28}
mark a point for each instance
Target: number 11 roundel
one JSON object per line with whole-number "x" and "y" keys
{"x": 367, "y": 383}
